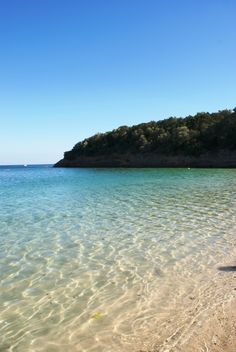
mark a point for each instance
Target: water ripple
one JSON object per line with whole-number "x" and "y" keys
{"x": 102, "y": 260}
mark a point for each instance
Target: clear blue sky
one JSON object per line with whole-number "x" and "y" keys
{"x": 71, "y": 68}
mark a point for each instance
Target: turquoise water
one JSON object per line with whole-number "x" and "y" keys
{"x": 97, "y": 259}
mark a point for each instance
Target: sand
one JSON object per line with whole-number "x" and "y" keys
{"x": 207, "y": 325}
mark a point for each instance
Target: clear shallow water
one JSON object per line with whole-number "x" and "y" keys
{"x": 109, "y": 259}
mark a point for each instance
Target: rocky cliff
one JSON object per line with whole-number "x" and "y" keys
{"x": 223, "y": 159}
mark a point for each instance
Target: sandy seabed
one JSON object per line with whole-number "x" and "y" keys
{"x": 211, "y": 329}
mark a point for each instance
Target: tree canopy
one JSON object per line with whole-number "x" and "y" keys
{"x": 192, "y": 135}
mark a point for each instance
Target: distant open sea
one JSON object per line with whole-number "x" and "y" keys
{"x": 102, "y": 260}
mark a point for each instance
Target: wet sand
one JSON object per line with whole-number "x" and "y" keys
{"x": 217, "y": 333}
{"x": 206, "y": 326}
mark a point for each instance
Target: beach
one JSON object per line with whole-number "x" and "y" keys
{"x": 209, "y": 323}
{"x": 214, "y": 329}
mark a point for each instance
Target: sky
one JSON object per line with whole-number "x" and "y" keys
{"x": 72, "y": 68}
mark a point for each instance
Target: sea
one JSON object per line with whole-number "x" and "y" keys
{"x": 108, "y": 260}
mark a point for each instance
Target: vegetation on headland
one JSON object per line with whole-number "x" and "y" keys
{"x": 191, "y": 136}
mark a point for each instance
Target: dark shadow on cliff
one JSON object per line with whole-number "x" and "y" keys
{"x": 227, "y": 269}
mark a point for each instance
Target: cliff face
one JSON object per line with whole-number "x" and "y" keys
{"x": 222, "y": 159}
